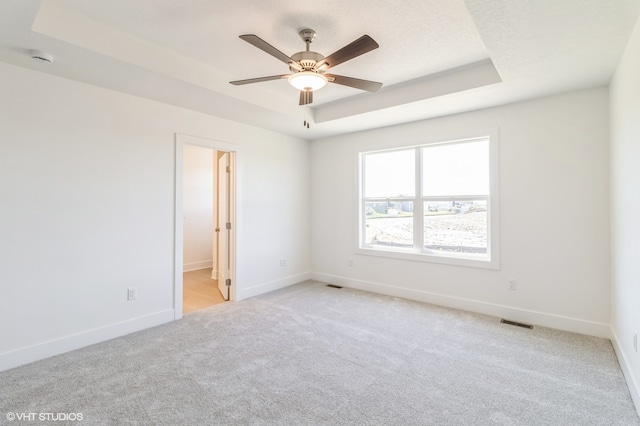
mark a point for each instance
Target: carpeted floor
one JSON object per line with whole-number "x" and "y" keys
{"x": 314, "y": 355}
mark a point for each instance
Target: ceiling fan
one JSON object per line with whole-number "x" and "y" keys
{"x": 308, "y": 68}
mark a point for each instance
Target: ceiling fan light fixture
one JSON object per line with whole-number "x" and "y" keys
{"x": 307, "y": 80}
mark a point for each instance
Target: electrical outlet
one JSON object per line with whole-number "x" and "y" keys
{"x": 132, "y": 293}
{"x": 635, "y": 342}
{"x": 350, "y": 263}
{"x": 283, "y": 262}
{"x": 513, "y": 285}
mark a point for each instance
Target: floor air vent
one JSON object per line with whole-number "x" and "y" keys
{"x": 517, "y": 324}
{"x": 333, "y": 286}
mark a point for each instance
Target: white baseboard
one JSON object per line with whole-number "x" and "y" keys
{"x": 271, "y": 285}
{"x": 514, "y": 314}
{"x": 29, "y": 354}
{"x": 632, "y": 383}
{"x": 194, "y": 266}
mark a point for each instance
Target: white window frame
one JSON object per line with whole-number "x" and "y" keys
{"x": 489, "y": 261}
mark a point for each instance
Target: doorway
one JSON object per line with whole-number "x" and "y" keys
{"x": 204, "y": 225}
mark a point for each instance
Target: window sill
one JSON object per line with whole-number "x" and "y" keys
{"x": 466, "y": 260}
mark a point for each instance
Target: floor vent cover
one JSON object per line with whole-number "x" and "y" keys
{"x": 333, "y": 286}
{"x": 517, "y": 324}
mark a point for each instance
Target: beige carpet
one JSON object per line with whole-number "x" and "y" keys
{"x": 314, "y": 355}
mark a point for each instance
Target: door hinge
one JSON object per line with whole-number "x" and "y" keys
{"x": 228, "y": 225}
{"x": 228, "y": 282}
{"x": 228, "y": 169}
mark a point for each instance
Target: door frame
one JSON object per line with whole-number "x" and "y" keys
{"x": 180, "y": 141}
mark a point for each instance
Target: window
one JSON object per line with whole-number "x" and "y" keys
{"x": 435, "y": 202}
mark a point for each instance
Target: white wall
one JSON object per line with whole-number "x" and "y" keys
{"x": 554, "y": 218}
{"x": 87, "y": 190}
{"x": 198, "y": 207}
{"x": 625, "y": 211}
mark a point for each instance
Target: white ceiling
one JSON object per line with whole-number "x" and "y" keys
{"x": 436, "y": 57}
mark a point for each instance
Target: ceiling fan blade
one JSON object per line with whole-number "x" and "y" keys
{"x": 266, "y": 47}
{"x": 356, "y": 48}
{"x": 259, "y": 79}
{"x": 306, "y": 97}
{"x": 368, "y": 85}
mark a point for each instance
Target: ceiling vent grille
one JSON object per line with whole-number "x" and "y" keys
{"x": 517, "y": 324}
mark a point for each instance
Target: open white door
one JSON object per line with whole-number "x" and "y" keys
{"x": 223, "y": 225}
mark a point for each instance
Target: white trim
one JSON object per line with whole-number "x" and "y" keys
{"x": 181, "y": 141}
{"x": 178, "y": 229}
{"x": 262, "y": 288}
{"x": 458, "y": 259}
{"x": 632, "y": 384}
{"x": 544, "y": 319}
{"x": 195, "y": 266}
{"x": 29, "y": 354}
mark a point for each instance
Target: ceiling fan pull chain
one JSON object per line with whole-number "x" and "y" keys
{"x": 306, "y": 121}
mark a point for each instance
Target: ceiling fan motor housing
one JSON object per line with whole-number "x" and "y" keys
{"x": 307, "y": 60}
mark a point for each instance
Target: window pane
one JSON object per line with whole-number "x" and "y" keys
{"x": 389, "y": 224}
{"x": 456, "y": 226}
{"x": 390, "y": 174}
{"x": 456, "y": 169}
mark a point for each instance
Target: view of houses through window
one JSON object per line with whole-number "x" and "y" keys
{"x": 432, "y": 199}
